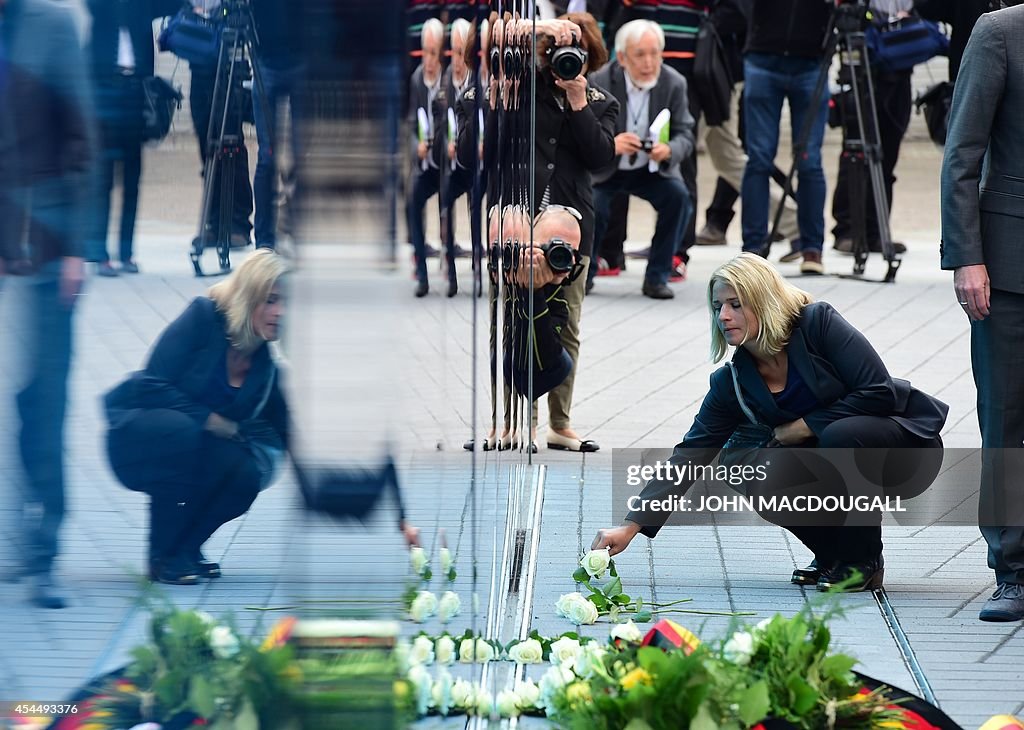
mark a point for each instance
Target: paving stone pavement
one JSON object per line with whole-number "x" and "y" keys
{"x": 367, "y": 366}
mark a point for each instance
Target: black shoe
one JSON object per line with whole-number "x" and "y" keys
{"x": 176, "y": 571}
{"x": 453, "y": 287}
{"x": 589, "y": 286}
{"x": 422, "y": 288}
{"x": 430, "y": 252}
{"x": 1006, "y": 604}
{"x": 866, "y": 576}
{"x": 45, "y": 593}
{"x": 808, "y": 576}
{"x": 657, "y": 291}
{"x": 206, "y": 568}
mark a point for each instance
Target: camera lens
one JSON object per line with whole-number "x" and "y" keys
{"x": 495, "y": 62}
{"x": 559, "y": 256}
{"x": 567, "y": 62}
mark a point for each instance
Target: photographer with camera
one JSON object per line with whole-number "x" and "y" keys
{"x": 784, "y": 51}
{"x": 646, "y": 166}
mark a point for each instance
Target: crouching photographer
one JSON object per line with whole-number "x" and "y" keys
{"x": 538, "y": 272}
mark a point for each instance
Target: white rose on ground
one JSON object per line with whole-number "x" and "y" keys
{"x": 418, "y": 560}
{"x": 422, "y": 651}
{"x": 422, "y": 688}
{"x": 596, "y": 562}
{"x": 761, "y": 626}
{"x": 444, "y": 555}
{"x": 527, "y": 694}
{"x": 627, "y": 632}
{"x": 527, "y": 652}
{"x": 564, "y": 651}
{"x": 466, "y": 647}
{"x": 508, "y": 703}
{"x": 577, "y": 609}
{"x": 423, "y": 607}
{"x": 739, "y": 648}
{"x": 223, "y": 642}
{"x": 441, "y": 693}
{"x": 484, "y": 702}
{"x": 206, "y": 618}
{"x": 590, "y": 659}
{"x": 552, "y": 681}
{"x": 484, "y": 651}
{"x": 449, "y": 606}
{"x": 463, "y": 694}
{"x": 444, "y": 650}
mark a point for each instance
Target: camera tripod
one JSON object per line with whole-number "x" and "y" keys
{"x": 236, "y": 64}
{"x": 862, "y": 148}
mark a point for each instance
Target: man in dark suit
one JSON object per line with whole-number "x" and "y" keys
{"x": 644, "y": 88}
{"x": 46, "y": 141}
{"x": 982, "y": 190}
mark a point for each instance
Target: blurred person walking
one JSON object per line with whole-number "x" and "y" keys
{"x": 120, "y": 57}
{"x": 47, "y": 148}
{"x": 202, "y": 428}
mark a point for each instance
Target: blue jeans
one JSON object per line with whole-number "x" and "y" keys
{"x": 769, "y": 80}
{"x": 670, "y": 199}
{"x": 423, "y": 185}
{"x": 278, "y": 84}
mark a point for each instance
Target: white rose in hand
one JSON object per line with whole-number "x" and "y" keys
{"x": 739, "y": 649}
{"x": 596, "y": 562}
{"x": 527, "y": 652}
{"x": 444, "y": 650}
{"x": 418, "y": 560}
{"x": 564, "y": 651}
{"x": 508, "y": 703}
{"x": 527, "y": 694}
{"x": 423, "y": 607}
{"x": 577, "y": 609}
{"x": 449, "y": 606}
{"x": 223, "y": 642}
{"x": 422, "y": 651}
{"x": 627, "y": 632}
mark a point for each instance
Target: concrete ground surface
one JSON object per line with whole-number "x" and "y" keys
{"x": 369, "y": 367}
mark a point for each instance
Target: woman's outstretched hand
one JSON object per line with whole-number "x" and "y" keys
{"x": 616, "y": 539}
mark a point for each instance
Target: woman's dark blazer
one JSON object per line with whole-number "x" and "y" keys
{"x": 180, "y": 366}
{"x": 841, "y": 368}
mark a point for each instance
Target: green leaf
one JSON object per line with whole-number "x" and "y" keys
{"x": 638, "y": 604}
{"x": 804, "y": 695}
{"x": 703, "y": 720}
{"x": 613, "y": 613}
{"x": 598, "y": 600}
{"x": 837, "y": 666}
{"x": 580, "y": 575}
{"x": 623, "y": 600}
{"x": 452, "y": 575}
{"x": 201, "y": 697}
{"x": 642, "y": 617}
{"x": 611, "y": 569}
{"x": 427, "y": 574}
{"x": 754, "y": 703}
{"x": 613, "y": 587}
{"x": 247, "y": 718}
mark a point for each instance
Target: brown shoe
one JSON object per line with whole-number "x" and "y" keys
{"x": 710, "y": 235}
{"x": 812, "y": 263}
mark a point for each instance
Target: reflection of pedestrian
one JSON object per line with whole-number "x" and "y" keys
{"x": 202, "y": 427}
{"x": 46, "y": 144}
{"x": 981, "y": 244}
{"x": 120, "y": 57}
{"x": 811, "y": 377}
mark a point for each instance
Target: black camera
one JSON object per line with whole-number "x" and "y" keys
{"x": 567, "y": 61}
{"x": 495, "y": 62}
{"x": 647, "y": 145}
{"x": 561, "y": 257}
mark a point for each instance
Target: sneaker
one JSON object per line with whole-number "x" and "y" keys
{"x": 794, "y": 253}
{"x": 129, "y": 267}
{"x": 106, "y": 269}
{"x": 657, "y": 291}
{"x": 603, "y": 269}
{"x": 643, "y": 253}
{"x": 1006, "y": 604}
{"x": 678, "y": 269}
{"x": 812, "y": 263}
{"x": 710, "y": 235}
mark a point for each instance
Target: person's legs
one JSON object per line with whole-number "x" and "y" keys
{"x": 560, "y": 399}
{"x": 810, "y": 193}
{"x": 605, "y": 194}
{"x": 131, "y": 175}
{"x": 670, "y": 199}
{"x": 424, "y": 186}
{"x": 894, "y": 103}
{"x": 688, "y": 168}
{"x": 100, "y": 220}
{"x": 763, "y": 95}
{"x": 264, "y": 185}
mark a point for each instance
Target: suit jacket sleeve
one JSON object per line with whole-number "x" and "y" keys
{"x": 175, "y": 352}
{"x": 681, "y": 124}
{"x": 869, "y": 387}
{"x": 716, "y": 420}
{"x": 976, "y": 99}
{"x": 595, "y": 136}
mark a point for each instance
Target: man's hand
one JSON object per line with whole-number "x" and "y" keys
{"x": 563, "y": 31}
{"x": 793, "y": 433}
{"x": 626, "y": 143}
{"x": 616, "y": 539}
{"x": 542, "y": 273}
{"x": 972, "y": 289}
{"x": 220, "y": 426}
{"x": 421, "y": 150}
{"x": 575, "y": 91}
{"x": 451, "y": 150}
{"x": 410, "y": 534}
{"x": 661, "y": 152}
{"x": 72, "y": 275}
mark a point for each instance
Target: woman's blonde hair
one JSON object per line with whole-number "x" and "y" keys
{"x": 774, "y": 302}
{"x": 248, "y": 286}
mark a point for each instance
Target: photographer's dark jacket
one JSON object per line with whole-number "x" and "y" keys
{"x": 537, "y": 341}
{"x": 419, "y": 98}
{"x": 838, "y": 365}
{"x": 669, "y": 93}
{"x": 789, "y": 27}
{"x": 570, "y": 145}
{"x": 179, "y": 371}
{"x": 137, "y": 16}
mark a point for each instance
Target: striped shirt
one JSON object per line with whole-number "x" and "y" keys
{"x": 680, "y": 20}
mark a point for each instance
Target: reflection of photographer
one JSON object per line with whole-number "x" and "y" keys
{"x": 551, "y": 261}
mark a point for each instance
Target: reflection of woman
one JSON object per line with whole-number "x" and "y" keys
{"x": 816, "y": 381}
{"x": 199, "y": 429}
